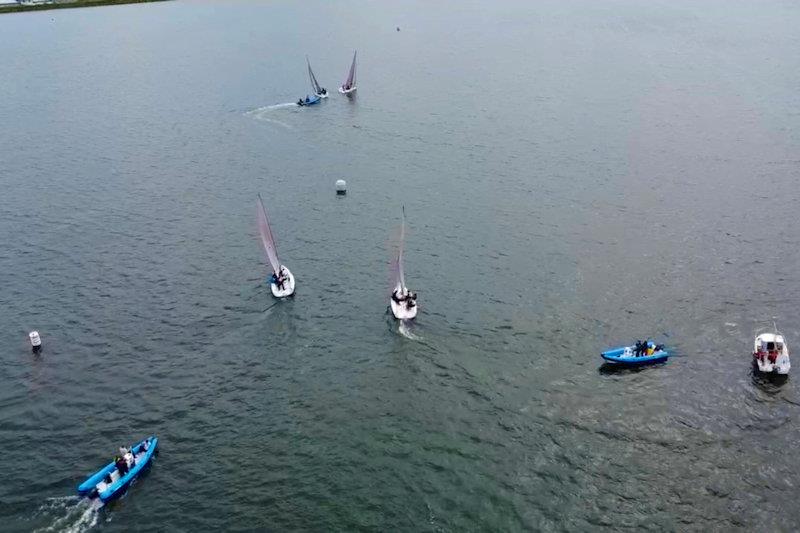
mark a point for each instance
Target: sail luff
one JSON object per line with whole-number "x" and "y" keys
{"x": 267, "y": 239}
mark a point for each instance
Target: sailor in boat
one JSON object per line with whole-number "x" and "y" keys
{"x": 300, "y": 102}
{"x": 279, "y": 279}
{"x": 411, "y": 300}
{"x": 641, "y": 348}
{"x": 399, "y": 295}
{"x": 127, "y": 456}
{"x": 323, "y": 91}
{"x": 121, "y": 464}
{"x": 770, "y": 351}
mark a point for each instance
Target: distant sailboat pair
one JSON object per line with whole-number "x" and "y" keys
{"x": 347, "y": 88}
{"x": 281, "y": 282}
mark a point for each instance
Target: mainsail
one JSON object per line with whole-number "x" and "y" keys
{"x": 398, "y": 276}
{"x": 267, "y": 240}
{"x": 315, "y": 86}
{"x": 350, "y": 82}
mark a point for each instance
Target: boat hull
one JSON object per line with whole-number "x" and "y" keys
{"x": 312, "y": 101}
{"x": 770, "y": 368}
{"x": 622, "y": 356}
{"x": 95, "y": 485}
{"x": 349, "y": 91}
{"x": 288, "y": 286}
{"x": 321, "y": 95}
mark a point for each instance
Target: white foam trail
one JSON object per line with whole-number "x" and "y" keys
{"x": 405, "y": 330}
{"x": 263, "y": 113}
{"x": 77, "y": 514}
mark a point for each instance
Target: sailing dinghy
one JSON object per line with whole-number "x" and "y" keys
{"x": 349, "y": 85}
{"x": 402, "y": 301}
{"x": 315, "y": 86}
{"x": 282, "y": 281}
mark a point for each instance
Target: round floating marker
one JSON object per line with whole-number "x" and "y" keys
{"x": 36, "y": 341}
{"x": 341, "y": 187}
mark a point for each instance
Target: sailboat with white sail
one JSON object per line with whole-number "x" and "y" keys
{"x": 282, "y": 281}
{"x": 349, "y": 85}
{"x": 402, "y": 301}
{"x": 315, "y": 86}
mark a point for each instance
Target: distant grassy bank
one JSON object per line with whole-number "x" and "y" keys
{"x": 14, "y": 8}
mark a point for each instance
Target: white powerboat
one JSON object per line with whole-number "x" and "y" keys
{"x": 771, "y": 354}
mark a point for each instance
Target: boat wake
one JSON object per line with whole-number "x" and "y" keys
{"x": 70, "y": 514}
{"x": 264, "y": 113}
{"x": 404, "y": 329}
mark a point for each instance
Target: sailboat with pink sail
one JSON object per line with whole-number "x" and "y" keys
{"x": 403, "y": 302}
{"x": 349, "y": 85}
{"x": 281, "y": 281}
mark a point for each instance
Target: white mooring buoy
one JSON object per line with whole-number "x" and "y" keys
{"x": 36, "y": 341}
{"x": 341, "y": 187}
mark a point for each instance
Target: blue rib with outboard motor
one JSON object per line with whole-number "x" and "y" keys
{"x": 309, "y": 101}
{"x": 107, "y": 483}
{"x": 626, "y": 356}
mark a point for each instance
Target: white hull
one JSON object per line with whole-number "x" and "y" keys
{"x": 351, "y": 90}
{"x": 288, "y": 286}
{"x": 401, "y": 310}
{"x": 322, "y": 95}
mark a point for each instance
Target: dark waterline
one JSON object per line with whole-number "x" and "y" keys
{"x": 575, "y": 175}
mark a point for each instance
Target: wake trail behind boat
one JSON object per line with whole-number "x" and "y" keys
{"x": 263, "y": 113}
{"x": 405, "y": 330}
{"x": 71, "y": 514}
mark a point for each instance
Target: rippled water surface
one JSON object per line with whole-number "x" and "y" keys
{"x": 575, "y": 174}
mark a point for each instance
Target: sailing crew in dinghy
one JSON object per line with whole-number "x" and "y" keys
{"x": 398, "y": 295}
{"x": 280, "y": 279}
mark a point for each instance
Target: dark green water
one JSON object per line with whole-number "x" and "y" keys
{"x": 575, "y": 174}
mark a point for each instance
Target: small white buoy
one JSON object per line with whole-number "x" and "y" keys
{"x": 36, "y": 341}
{"x": 341, "y": 187}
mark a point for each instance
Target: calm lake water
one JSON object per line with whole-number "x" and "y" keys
{"x": 575, "y": 174}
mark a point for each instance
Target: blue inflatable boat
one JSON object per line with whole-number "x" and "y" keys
{"x": 309, "y": 101}
{"x": 626, "y": 356}
{"x": 107, "y": 483}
